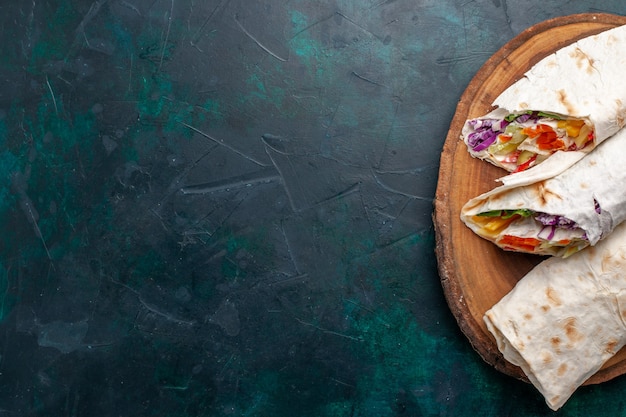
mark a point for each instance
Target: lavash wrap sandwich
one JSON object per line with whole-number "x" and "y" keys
{"x": 565, "y": 318}
{"x": 571, "y": 100}
{"x": 558, "y": 215}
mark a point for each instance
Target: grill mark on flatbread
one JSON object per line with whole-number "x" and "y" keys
{"x": 611, "y": 39}
{"x": 562, "y": 369}
{"x": 553, "y": 297}
{"x": 562, "y": 96}
{"x": 543, "y": 193}
{"x": 551, "y": 62}
{"x": 556, "y": 344}
{"x": 501, "y": 195}
{"x": 571, "y": 331}
{"x": 620, "y": 116}
{"x": 471, "y": 206}
{"x": 583, "y": 60}
{"x": 610, "y": 346}
{"x": 612, "y": 261}
{"x": 555, "y": 399}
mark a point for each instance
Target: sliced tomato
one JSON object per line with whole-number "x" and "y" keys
{"x": 549, "y": 141}
{"x": 546, "y": 137}
{"x": 527, "y": 244}
{"x": 526, "y": 165}
{"x": 533, "y": 131}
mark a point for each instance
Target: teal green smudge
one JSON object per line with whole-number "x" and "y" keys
{"x": 123, "y": 37}
{"x": 403, "y": 357}
{"x": 403, "y": 352}
{"x": 57, "y": 151}
{"x": 235, "y": 245}
{"x": 9, "y": 164}
{"x": 230, "y": 270}
{"x": 302, "y": 46}
{"x": 256, "y": 82}
{"x": 298, "y": 20}
{"x": 337, "y": 409}
{"x": 160, "y": 112}
{"x": 4, "y": 133}
{"x": 6, "y": 299}
{"x": 261, "y": 400}
{"x": 308, "y": 51}
{"x": 213, "y": 108}
{"x": 403, "y": 374}
{"x": 164, "y": 108}
{"x": 151, "y": 97}
{"x": 54, "y": 42}
{"x": 280, "y": 392}
{"x": 258, "y": 93}
{"x": 54, "y": 174}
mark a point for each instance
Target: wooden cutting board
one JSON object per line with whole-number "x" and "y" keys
{"x": 475, "y": 274}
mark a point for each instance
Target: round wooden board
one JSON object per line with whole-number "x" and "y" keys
{"x": 475, "y": 274}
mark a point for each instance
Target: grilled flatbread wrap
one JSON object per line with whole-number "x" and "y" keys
{"x": 572, "y": 100}
{"x": 559, "y": 215}
{"x": 565, "y": 318}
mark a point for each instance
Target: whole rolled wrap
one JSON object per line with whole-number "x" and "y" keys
{"x": 572, "y": 100}
{"x": 558, "y": 215}
{"x": 565, "y": 318}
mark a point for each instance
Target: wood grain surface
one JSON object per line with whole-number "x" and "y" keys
{"x": 475, "y": 274}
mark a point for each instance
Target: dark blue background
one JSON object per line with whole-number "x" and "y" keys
{"x": 216, "y": 208}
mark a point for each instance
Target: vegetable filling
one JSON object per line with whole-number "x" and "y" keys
{"x": 529, "y": 231}
{"x": 521, "y": 140}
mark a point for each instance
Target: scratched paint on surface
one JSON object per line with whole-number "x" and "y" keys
{"x": 223, "y": 208}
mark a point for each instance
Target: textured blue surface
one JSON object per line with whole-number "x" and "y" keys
{"x": 215, "y": 208}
